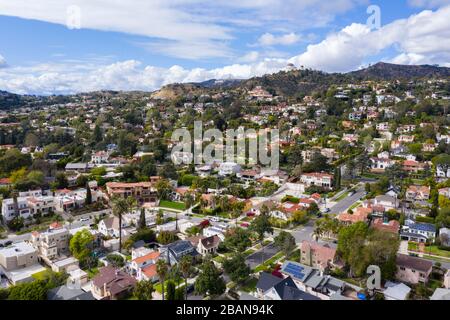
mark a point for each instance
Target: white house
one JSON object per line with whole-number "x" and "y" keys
{"x": 109, "y": 227}
{"x": 317, "y": 179}
{"x": 144, "y": 267}
{"x": 229, "y": 168}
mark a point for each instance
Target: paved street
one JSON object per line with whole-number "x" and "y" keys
{"x": 261, "y": 255}
{"x": 347, "y": 202}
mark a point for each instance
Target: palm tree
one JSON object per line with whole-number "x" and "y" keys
{"x": 185, "y": 268}
{"x": 121, "y": 206}
{"x": 162, "y": 269}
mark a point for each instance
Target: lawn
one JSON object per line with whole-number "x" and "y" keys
{"x": 342, "y": 196}
{"x": 42, "y": 275}
{"x": 434, "y": 250}
{"x": 249, "y": 252}
{"x": 158, "y": 286}
{"x": 267, "y": 265}
{"x": 172, "y": 205}
{"x": 249, "y": 285}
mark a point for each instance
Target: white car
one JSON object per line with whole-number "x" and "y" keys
{"x": 84, "y": 219}
{"x": 215, "y": 219}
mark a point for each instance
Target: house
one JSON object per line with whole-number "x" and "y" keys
{"x": 270, "y": 287}
{"x": 109, "y": 227}
{"x": 219, "y": 230}
{"x": 413, "y": 270}
{"x": 380, "y": 224}
{"x": 67, "y": 293}
{"x": 319, "y": 179}
{"x": 144, "y": 267}
{"x": 313, "y": 281}
{"x": 141, "y": 191}
{"x": 418, "y": 231}
{"x": 444, "y": 236}
{"x": 417, "y": 193}
{"x": 229, "y": 168}
{"x": 360, "y": 215}
{"x": 388, "y": 202}
{"x": 445, "y": 192}
{"x": 206, "y": 245}
{"x": 15, "y": 208}
{"x": 173, "y": 252}
{"x": 51, "y": 243}
{"x": 440, "y": 171}
{"x": 100, "y": 157}
{"x": 441, "y": 294}
{"x": 378, "y": 164}
{"x": 316, "y": 255}
{"x": 447, "y": 279}
{"x": 17, "y": 256}
{"x": 111, "y": 284}
{"x": 414, "y": 166}
{"x": 396, "y": 291}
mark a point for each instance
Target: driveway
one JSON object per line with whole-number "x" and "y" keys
{"x": 347, "y": 202}
{"x": 261, "y": 255}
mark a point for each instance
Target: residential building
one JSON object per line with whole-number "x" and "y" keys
{"x": 144, "y": 267}
{"x": 319, "y": 179}
{"x": 413, "y": 270}
{"x": 392, "y": 226}
{"x": 270, "y": 287}
{"x": 51, "y": 243}
{"x": 417, "y": 193}
{"x": 141, "y": 191}
{"x": 316, "y": 255}
{"x": 111, "y": 284}
{"x": 418, "y": 231}
{"x": 173, "y": 252}
{"x": 229, "y": 168}
{"x": 205, "y": 245}
{"x": 17, "y": 256}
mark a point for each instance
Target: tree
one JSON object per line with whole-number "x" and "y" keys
{"x": 363, "y": 162}
{"x": 115, "y": 260}
{"x": 261, "y": 225}
{"x": 144, "y": 290}
{"x": 351, "y": 241}
{"x": 237, "y": 268}
{"x": 209, "y": 282}
{"x": 237, "y": 239}
{"x": 120, "y": 206}
{"x": 185, "y": 265}
{"x": 170, "y": 290}
{"x": 163, "y": 189}
{"x": 81, "y": 245}
{"x": 337, "y": 178}
{"x": 142, "y": 223}
{"x": 300, "y": 217}
{"x": 88, "y": 199}
{"x": 35, "y": 290}
{"x": 162, "y": 269}
{"x": 285, "y": 242}
{"x": 61, "y": 181}
{"x": 166, "y": 237}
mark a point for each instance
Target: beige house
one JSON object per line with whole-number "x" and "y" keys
{"x": 316, "y": 255}
{"x": 413, "y": 270}
{"x": 51, "y": 243}
{"x": 17, "y": 256}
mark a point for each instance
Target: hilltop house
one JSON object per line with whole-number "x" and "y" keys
{"x": 413, "y": 270}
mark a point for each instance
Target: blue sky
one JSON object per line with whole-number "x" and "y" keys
{"x": 143, "y": 45}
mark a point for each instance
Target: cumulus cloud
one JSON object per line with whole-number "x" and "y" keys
{"x": 268, "y": 39}
{"x": 421, "y": 38}
{"x": 176, "y": 27}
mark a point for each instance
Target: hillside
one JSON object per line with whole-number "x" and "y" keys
{"x": 388, "y": 71}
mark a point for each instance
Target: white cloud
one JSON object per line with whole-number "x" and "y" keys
{"x": 268, "y": 39}
{"x": 421, "y": 38}
{"x": 173, "y": 27}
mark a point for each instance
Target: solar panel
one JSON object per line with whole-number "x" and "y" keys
{"x": 295, "y": 270}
